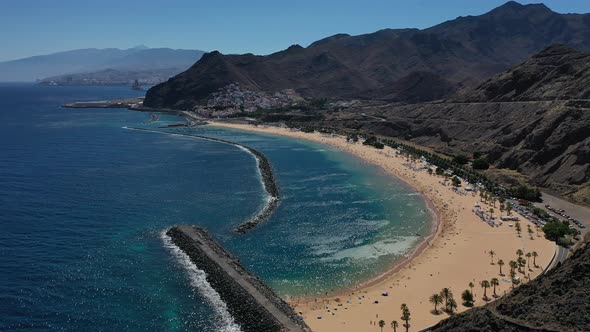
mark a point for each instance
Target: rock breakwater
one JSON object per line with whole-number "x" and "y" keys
{"x": 254, "y": 306}
{"x": 266, "y": 175}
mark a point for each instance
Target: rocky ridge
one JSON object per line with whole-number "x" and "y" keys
{"x": 403, "y": 65}
{"x": 539, "y": 127}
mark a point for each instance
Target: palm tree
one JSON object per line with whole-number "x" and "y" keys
{"x": 394, "y": 325}
{"x": 406, "y": 316}
{"x": 485, "y": 285}
{"x": 528, "y": 262}
{"x": 519, "y": 253}
{"x": 513, "y": 265}
{"x": 446, "y": 294}
{"x": 381, "y": 324}
{"x": 452, "y": 305}
{"x": 492, "y": 253}
{"x": 436, "y": 299}
{"x": 495, "y": 282}
{"x": 471, "y": 285}
{"x": 508, "y": 208}
{"x": 521, "y": 263}
{"x": 535, "y": 255}
{"x": 501, "y": 263}
{"x": 467, "y": 298}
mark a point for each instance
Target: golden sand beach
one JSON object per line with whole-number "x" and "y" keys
{"x": 457, "y": 253}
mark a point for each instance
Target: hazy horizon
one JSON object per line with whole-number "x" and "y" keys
{"x": 40, "y": 28}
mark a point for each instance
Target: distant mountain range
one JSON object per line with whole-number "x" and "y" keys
{"x": 133, "y": 62}
{"x": 405, "y": 65}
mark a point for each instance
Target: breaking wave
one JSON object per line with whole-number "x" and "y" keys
{"x": 198, "y": 280}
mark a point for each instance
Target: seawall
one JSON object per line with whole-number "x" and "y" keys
{"x": 271, "y": 188}
{"x": 254, "y": 306}
{"x": 265, "y": 169}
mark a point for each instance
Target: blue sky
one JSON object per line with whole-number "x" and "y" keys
{"x": 231, "y": 26}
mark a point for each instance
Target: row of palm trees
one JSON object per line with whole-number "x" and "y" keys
{"x": 459, "y": 170}
{"x": 446, "y": 296}
{"x": 468, "y": 297}
{"x": 485, "y": 284}
{"x": 405, "y": 317}
{"x": 530, "y": 231}
{"x": 491, "y": 199}
{"x": 517, "y": 264}
{"x": 520, "y": 261}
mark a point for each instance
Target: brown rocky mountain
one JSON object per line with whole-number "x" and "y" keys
{"x": 558, "y": 73}
{"x": 407, "y": 65}
{"x": 556, "y": 301}
{"x": 531, "y": 119}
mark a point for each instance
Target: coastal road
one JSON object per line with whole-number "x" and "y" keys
{"x": 373, "y": 117}
{"x": 560, "y": 256}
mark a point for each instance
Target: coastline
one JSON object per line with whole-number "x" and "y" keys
{"x": 437, "y": 224}
{"x": 425, "y": 270}
{"x": 416, "y": 251}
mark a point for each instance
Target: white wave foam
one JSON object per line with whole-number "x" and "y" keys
{"x": 322, "y": 177}
{"x": 268, "y": 198}
{"x": 398, "y": 247}
{"x": 199, "y": 282}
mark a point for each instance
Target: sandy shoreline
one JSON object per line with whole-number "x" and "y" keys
{"x": 415, "y": 253}
{"x": 454, "y": 254}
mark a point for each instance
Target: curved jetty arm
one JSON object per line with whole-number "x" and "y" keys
{"x": 268, "y": 180}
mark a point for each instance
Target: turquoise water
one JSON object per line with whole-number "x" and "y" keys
{"x": 84, "y": 202}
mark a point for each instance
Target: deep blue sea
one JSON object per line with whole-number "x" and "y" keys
{"x": 84, "y": 204}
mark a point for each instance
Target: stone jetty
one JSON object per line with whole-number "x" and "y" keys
{"x": 268, "y": 180}
{"x": 254, "y": 306}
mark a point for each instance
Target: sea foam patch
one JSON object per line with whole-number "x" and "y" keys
{"x": 396, "y": 246}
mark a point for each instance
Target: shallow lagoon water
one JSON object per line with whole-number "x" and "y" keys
{"x": 83, "y": 203}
